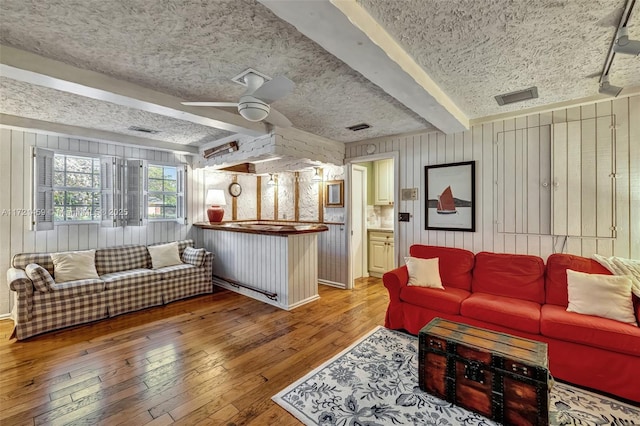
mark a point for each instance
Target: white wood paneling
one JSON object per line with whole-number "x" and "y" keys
{"x": 16, "y": 235}
{"x": 284, "y": 265}
{"x": 332, "y": 256}
{"x": 591, "y": 146}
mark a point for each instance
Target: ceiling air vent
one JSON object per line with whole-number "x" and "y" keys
{"x": 519, "y": 96}
{"x": 357, "y": 127}
{"x": 143, "y": 130}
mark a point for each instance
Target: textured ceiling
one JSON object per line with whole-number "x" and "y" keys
{"x": 478, "y": 49}
{"x": 41, "y": 103}
{"x": 190, "y": 49}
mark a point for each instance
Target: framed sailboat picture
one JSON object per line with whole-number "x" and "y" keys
{"x": 451, "y": 196}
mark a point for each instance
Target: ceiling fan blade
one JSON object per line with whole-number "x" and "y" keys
{"x": 274, "y": 89}
{"x": 277, "y": 118}
{"x": 213, "y": 104}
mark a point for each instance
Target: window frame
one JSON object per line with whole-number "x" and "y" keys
{"x": 94, "y": 190}
{"x": 150, "y": 193}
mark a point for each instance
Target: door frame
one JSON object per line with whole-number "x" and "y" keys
{"x": 363, "y": 221}
{"x": 395, "y": 155}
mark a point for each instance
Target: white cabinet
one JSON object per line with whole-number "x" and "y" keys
{"x": 383, "y": 182}
{"x": 380, "y": 253}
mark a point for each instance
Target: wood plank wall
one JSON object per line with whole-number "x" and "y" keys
{"x": 419, "y": 150}
{"x": 15, "y": 175}
{"x": 332, "y": 256}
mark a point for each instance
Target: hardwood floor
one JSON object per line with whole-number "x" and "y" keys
{"x": 214, "y": 359}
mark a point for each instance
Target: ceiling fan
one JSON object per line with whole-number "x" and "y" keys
{"x": 254, "y": 104}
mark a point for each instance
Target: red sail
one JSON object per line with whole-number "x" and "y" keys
{"x": 446, "y": 205}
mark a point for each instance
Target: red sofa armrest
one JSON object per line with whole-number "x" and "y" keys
{"x": 394, "y": 281}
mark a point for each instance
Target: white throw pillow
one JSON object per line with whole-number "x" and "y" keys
{"x": 74, "y": 265}
{"x": 423, "y": 272}
{"x": 164, "y": 255}
{"x": 607, "y": 296}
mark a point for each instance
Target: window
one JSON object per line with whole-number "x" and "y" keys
{"x": 76, "y": 188}
{"x": 163, "y": 192}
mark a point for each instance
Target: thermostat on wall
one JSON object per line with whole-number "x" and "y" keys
{"x": 409, "y": 194}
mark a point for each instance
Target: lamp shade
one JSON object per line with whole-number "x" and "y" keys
{"x": 215, "y": 197}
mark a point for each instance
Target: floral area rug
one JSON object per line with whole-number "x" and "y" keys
{"x": 375, "y": 382}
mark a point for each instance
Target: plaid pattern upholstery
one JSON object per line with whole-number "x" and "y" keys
{"x": 23, "y": 286}
{"x": 130, "y": 278}
{"x": 59, "y": 313}
{"x": 122, "y": 258}
{"x": 125, "y": 299}
{"x": 176, "y": 271}
{"x": 41, "y": 278}
{"x": 193, "y": 256}
{"x": 181, "y": 286}
{"x": 117, "y": 292}
{"x": 69, "y": 290}
{"x": 21, "y": 261}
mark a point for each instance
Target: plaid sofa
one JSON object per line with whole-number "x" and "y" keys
{"x": 127, "y": 283}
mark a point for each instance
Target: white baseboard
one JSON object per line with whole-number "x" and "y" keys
{"x": 333, "y": 284}
{"x": 5, "y": 316}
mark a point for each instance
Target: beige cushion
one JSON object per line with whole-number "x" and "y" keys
{"x": 74, "y": 265}
{"x": 607, "y": 296}
{"x": 164, "y": 255}
{"x": 423, "y": 272}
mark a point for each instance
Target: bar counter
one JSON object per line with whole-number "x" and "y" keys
{"x": 275, "y": 263}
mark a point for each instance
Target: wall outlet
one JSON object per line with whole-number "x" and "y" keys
{"x": 404, "y": 217}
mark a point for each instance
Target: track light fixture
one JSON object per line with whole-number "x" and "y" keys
{"x": 622, "y": 43}
{"x": 607, "y": 89}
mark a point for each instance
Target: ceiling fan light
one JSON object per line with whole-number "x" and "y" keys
{"x": 253, "y": 109}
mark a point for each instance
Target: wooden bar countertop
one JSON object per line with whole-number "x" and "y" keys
{"x": 263, "y": 228}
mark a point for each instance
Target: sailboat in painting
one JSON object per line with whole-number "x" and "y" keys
{"x": 446, "y": 204}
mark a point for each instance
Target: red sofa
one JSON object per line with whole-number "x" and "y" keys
{"x": 517, "y": 294}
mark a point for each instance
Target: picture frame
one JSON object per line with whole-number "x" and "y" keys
{"x": 334, "y": 193}
{"x": 450, "y": 196}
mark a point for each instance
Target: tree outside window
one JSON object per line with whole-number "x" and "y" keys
{"x": 76, "y": 188}
{"x": 162, "y": 189}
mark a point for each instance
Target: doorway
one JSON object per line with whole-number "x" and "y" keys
{"x": 358, "y": 253}
{"x": 372, "y": 215}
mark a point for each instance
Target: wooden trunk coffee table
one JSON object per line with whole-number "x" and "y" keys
{"x": 499, "y": 376}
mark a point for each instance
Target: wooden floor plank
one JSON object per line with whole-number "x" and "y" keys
{"x": 214, "y": 359}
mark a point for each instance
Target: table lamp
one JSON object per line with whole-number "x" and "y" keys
{"x": 215, "y": 198}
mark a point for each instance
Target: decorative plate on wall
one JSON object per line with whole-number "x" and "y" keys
{"x": 235, "y": 189}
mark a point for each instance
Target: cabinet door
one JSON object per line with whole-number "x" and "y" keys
{"x": 383, "y": 182}
{"x": 377, "y": 256}
{"x": 390, "y": 258}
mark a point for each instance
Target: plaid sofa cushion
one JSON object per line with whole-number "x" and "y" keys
{"x": 123, "y": 258}
{"x": 193, "y": 256}
{"x": 117, "y": 280}
{"x": 21, "y": 261}
{"x": 175, "y": 271}
{"x": 42, "y": 279}
{"x": 69, "y": 290}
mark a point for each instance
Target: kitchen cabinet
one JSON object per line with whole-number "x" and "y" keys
{"x": 381, "y": 252}
{"x": 383, "y": 182}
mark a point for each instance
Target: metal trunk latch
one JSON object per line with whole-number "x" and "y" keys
{"x": 473, "y": 371}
